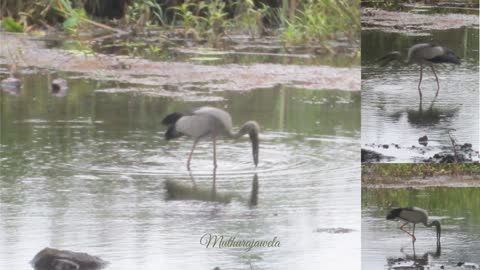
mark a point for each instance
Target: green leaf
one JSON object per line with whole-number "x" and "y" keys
{"x": 70, "y": 23}
{"x": 10, "y": 25}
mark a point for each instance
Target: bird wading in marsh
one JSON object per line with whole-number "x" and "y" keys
{"x": 209, "y": 123}
{"x": 424, "y": 54}
{"x": 414, "y": 215}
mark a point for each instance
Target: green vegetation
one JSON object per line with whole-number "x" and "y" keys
{"x": 320, "y": 20}
{"x": 439, "y": 201}
{"x": 307, "y": 23}
{"x": 10, "y": 25}
{"x": 407, "y": 170}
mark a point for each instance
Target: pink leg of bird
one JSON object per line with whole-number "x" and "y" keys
{"x": 214, "y": 152}
{"x": 401, "y": 228}
{"x": 420, "y": 82}
{"x": 436, "y": 78}
{"x": 191, "y": 153}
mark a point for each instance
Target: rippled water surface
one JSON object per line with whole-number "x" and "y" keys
{"x": 91, "y": 172}
{"x": 385, "y": 246}
{"x": 391, "y": 112}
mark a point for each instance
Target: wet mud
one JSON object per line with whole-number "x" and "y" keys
{"x": 230, "y": 77}
{"x": 464, "y": 153}
{"x": 414, "y": 23}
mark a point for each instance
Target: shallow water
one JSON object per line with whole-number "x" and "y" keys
{"x": 383, "y": 242}
{"x": 91, "y": 172}
{"x": 390, "y": 99}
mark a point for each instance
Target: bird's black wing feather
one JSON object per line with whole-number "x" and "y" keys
{"x": 448, "y": 57}
{"x": 172, "y": 118}
{"x": 394, "y": 213}
{"x": 172, "y": 133}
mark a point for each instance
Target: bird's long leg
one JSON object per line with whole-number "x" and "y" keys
{"x": 420, "y": 82}
{"x": 414, "y": 238}
{"x": 401, "y": 228}
{"x": 436, "y": 78}
{"x": 214, "y": 152}
{"x": 191, "y": 153}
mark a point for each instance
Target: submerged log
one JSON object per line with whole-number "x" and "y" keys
{"x": 55, "y": 259}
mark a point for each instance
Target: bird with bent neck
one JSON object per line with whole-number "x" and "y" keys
{"x": 424, "y": 54}
{"x": 414, "y": 215}
{"x": 208, "y": 123}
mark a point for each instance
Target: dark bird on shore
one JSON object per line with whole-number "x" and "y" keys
{"x": 413, "y": 215}
{"x": 208, "y": 123}
{"x": 424, "y": 54}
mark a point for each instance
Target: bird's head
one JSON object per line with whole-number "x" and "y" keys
{"x": 255, "y": 142}
{"x": 437, "y": 225}
{"x": 253, "y": 129}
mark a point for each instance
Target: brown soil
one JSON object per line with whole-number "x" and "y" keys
{"x": 233, "y": 77}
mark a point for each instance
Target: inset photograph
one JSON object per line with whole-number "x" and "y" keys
{"x": 420, "y": 216}
{"x": 420, "y": 81}
{"x": 192, "y": 135}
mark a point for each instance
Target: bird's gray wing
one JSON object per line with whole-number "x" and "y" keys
{"x": 222, "y": 119}
{"x": 432, "y": 51}
{"x": 195, "y": 125}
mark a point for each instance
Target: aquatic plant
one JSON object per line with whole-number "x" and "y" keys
{"x": 10, "y": 25}
{"x": 319, "y": 20}
{"x": 147, "y": 12}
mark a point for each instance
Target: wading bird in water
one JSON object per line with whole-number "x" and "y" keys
{"x": 413, "y": 215}
{"x": 424, "y": 54}
{"x": 208, "y": 123}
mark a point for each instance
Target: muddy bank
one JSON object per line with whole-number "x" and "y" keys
{"x": 414, "y": 23}
{"x": 463, "y": 153}
{"x": 374, "y": 181}
{"x": 232, "y": 77}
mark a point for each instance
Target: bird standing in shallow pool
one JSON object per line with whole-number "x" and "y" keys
{"x": 413, "y": 215}
{"x": 424, "y": 54}
{"x": 208, "y": 123}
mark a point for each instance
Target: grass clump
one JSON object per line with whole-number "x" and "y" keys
{"x": 408, "y": 171}
{"x": 319, "y": 20}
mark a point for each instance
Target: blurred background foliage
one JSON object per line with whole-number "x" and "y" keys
{"x": 295, "y": 21}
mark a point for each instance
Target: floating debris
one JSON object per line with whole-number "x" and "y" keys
{"x": 11, "y": 85}
{"x": 334, "y": 230}
{"x": 468, "y": 265}
{"x": 372, "y": 156}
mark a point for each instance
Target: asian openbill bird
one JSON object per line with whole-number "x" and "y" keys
{"x": 413, "y": 215}
{"x": 424, "y": 54}
{"x": 208, "y": 123}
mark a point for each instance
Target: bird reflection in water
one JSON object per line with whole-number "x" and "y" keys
{"x": 414, "y": 261}
{"x": 180, "y": 191}
{"x": 426, "y": 116}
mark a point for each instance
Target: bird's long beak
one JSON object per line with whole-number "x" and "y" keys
{"x": 254, "y": 138}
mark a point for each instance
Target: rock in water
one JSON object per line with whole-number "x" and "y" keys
{"x": 423, "y": 140}
{"x": 55, "y": 259}
{"x": 59, "y": 87}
